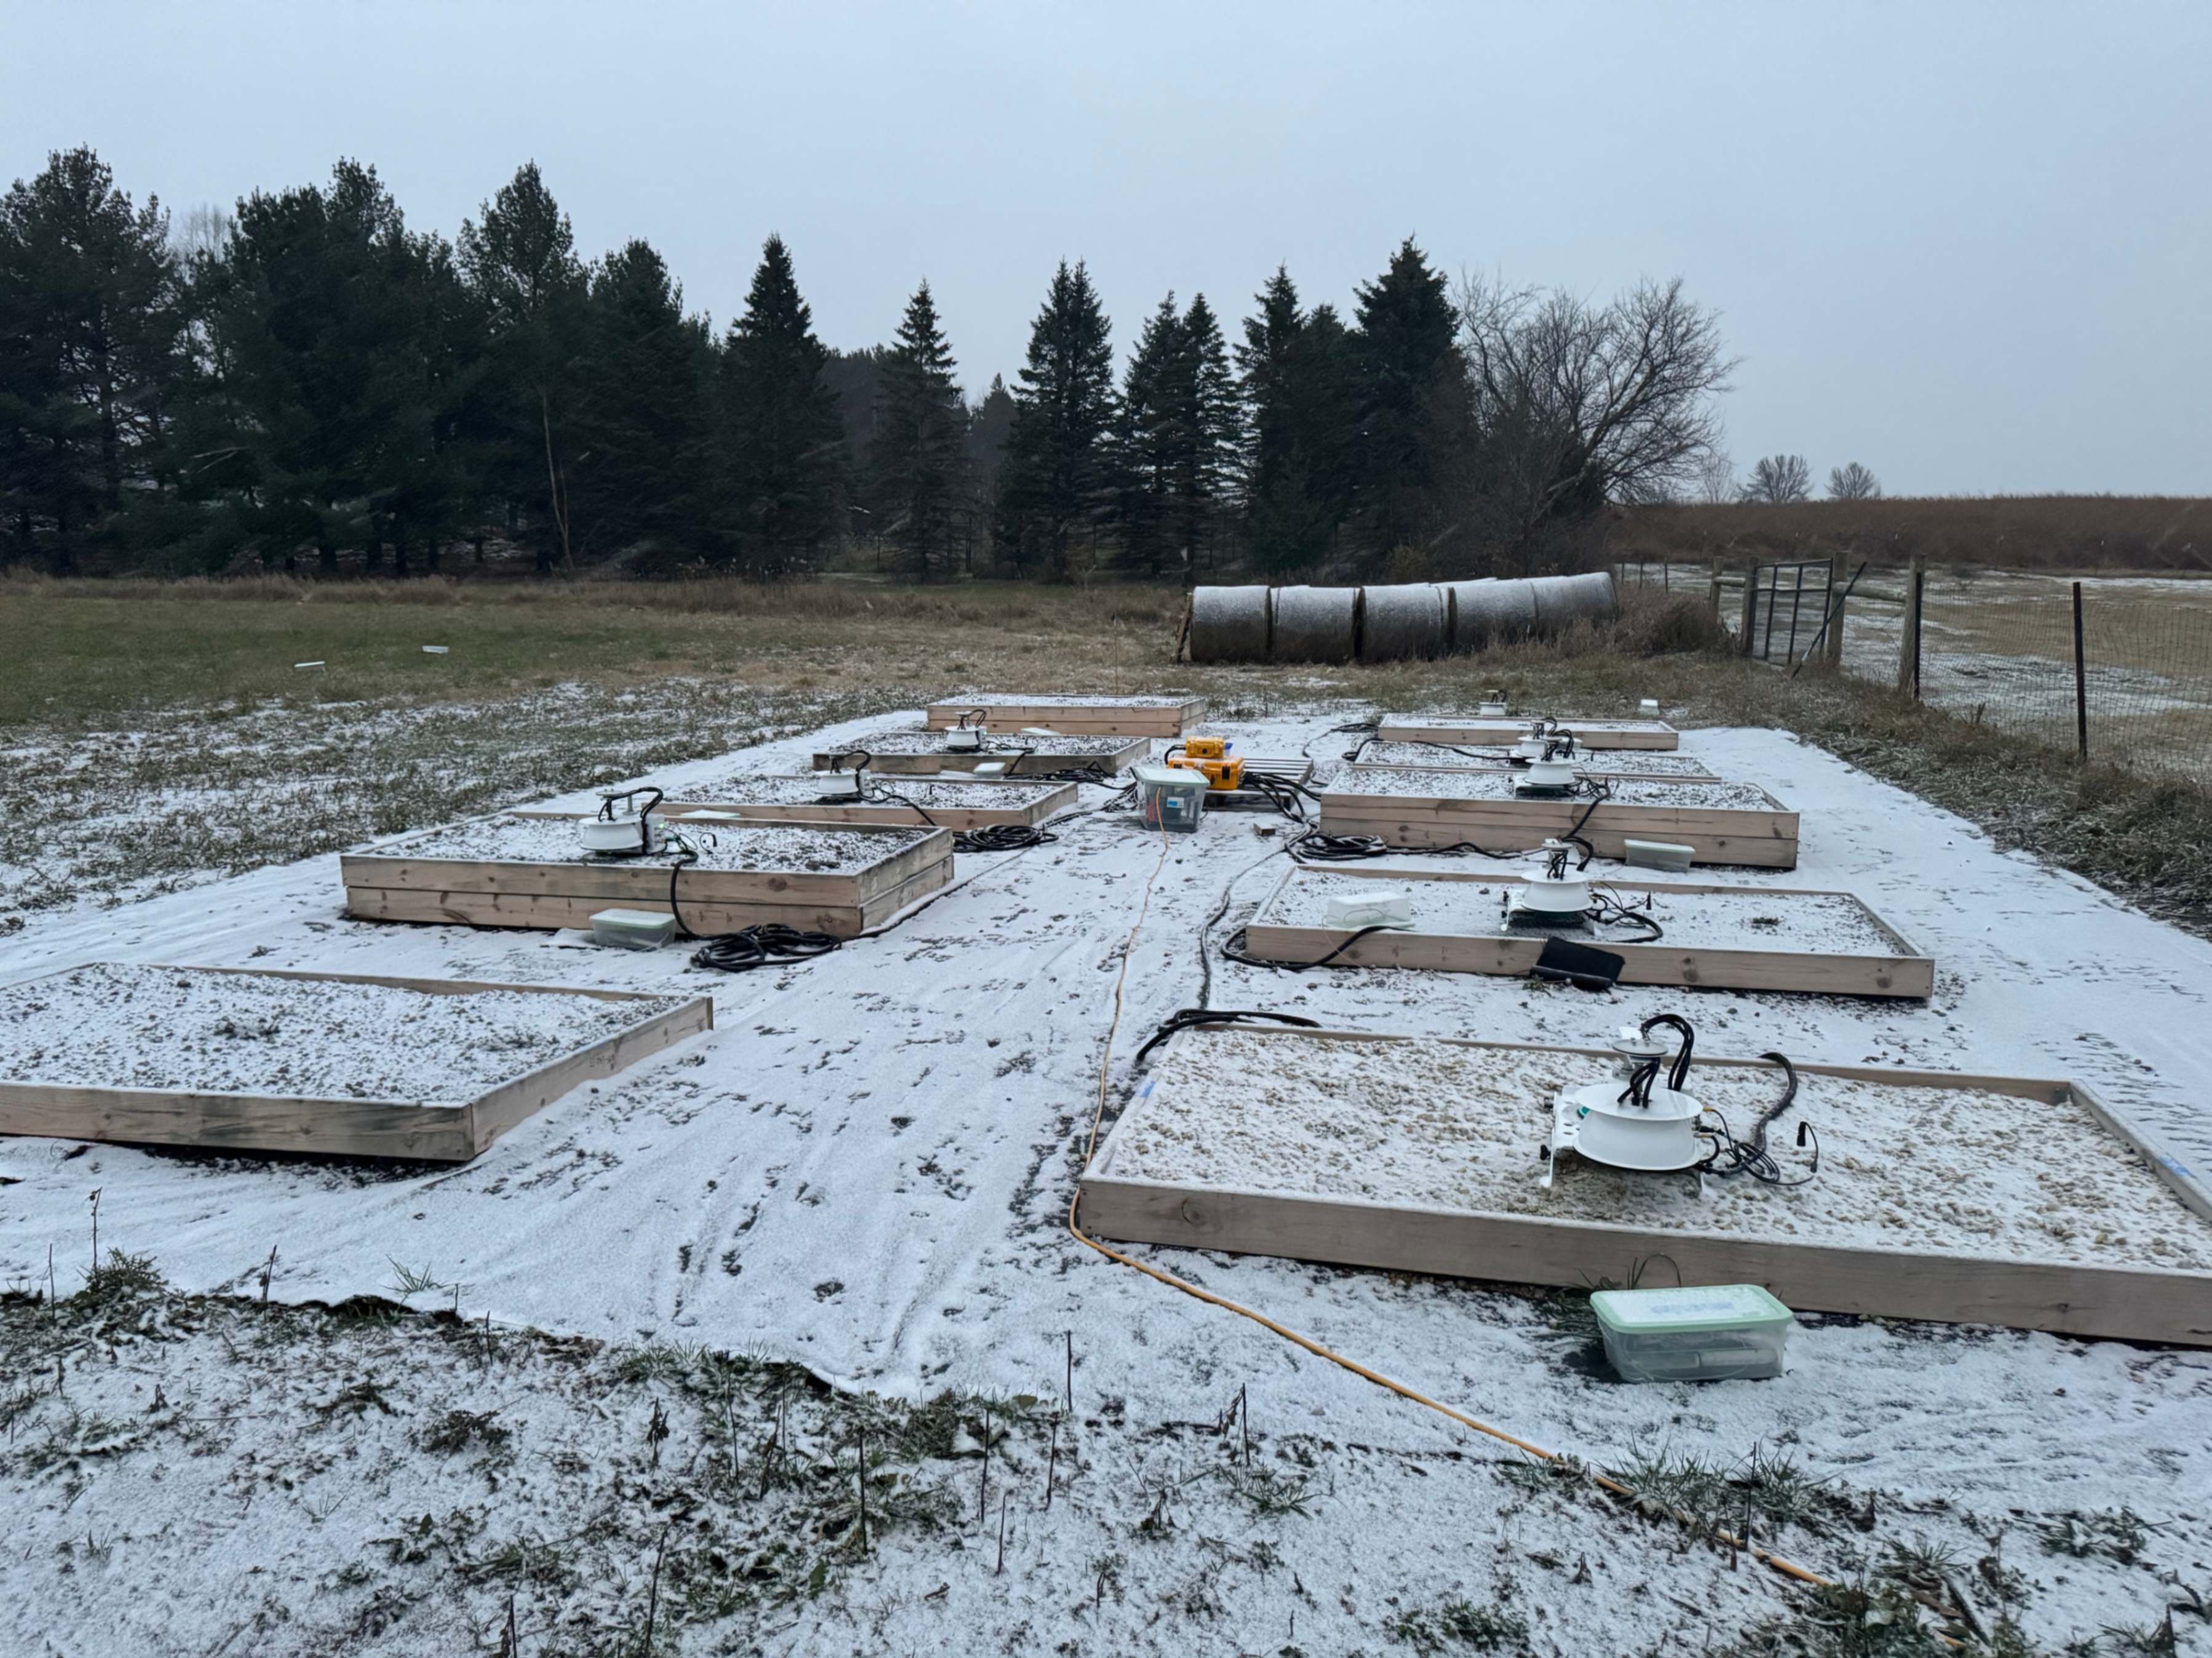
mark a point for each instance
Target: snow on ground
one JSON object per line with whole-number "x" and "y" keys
{"x": 866, "y": 1168}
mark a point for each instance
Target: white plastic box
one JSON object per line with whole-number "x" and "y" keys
{"x": 1702, "y": 1332}
{"x": 1385, "y": 906}
{"x": 1171, "y": 797}
{"x": 632, "y": 929}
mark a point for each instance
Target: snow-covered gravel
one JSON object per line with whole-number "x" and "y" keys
{"x": 815, "y": 787}
{"x": 1833, "y": 924}
{"x": 1516, "y": 724}
{"x": 1467, "y": 784}
{"x": 1604, "y": 762}
{"x": 509, "y": 838}
{"x": 1959, "y": 1171}
{"x": 974, "y": 699}
{"x": 116, "y": 1025}
{"x": 917, "y": 739}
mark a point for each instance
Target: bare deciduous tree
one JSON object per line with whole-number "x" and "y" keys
{"x": 1853, "y": 482}
{"x": 1779, "y": 478}
{"x": 1576, "y": 405}
{"x": 1715, "y": 480}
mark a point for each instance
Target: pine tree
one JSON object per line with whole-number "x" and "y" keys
{"x": 1298, "y": 376}
{"x": 1152, "y": 443}
{"x": 520, "y": 262}
{"x": 1055, "y": 477}
{"x": 642, "y": 423}
{"x": 918, "y": 459}
{"x": 785, "y": 432}
{"x": 91, "y": 324}
{"x": 1407, "y": 364}
{"x": 1214, "y": 421}
{"x": 320, "y": 325}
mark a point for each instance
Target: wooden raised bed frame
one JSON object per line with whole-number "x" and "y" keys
{"x": 343, "y": 1128}
{"x": 1447, "y": 760}
{"x": 2129, "y": 1303}
{"x": 1503, "y": 734}
{"x": 1057, "y": 798}
{"x": 1106, "y": 717}
{"x": 383, "y": 886}
{"x": 1761, "y": 838}
{"x": 1906, "y": 973}
{"x": 1043, "y": 759}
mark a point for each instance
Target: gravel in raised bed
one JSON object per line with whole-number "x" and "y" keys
{"x": 820, "y": 788}
{"x": 1010, "y": 700}
{"x": 1828, "y": 924}
{"x": 1437, "y": 757}
{"x": 114, "y": 1025}
{"x": 914, "y": 739}
{"x": 1431, "y": 1125}
{"x": 823, "y": 849}
{"x": 1515, "y": 724}
{"x": 1498, "y": 785}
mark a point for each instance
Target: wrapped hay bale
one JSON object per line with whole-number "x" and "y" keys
{"x": 1400, "y": 622}
{"x": 1230, "y": 624}
{"x": 1562, "y": 600}
{"x": 1487, "y": 613}
{"x": 1315, "y": 624}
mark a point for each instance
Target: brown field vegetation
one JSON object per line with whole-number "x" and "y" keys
{"x": 2015, "y": 533}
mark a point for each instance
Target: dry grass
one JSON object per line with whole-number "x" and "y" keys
{"x": 2027, "y": 533}
{"x": 118, "y": 692}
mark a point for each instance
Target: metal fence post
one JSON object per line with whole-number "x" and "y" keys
{"x": 2080, "y": 684}
{"x": 1838, "y": 595}
{"x": 1750, "y": 602}
{"x": 1908, "y": 635}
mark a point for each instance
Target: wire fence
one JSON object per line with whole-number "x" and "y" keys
{"x": 2115, "y": 670}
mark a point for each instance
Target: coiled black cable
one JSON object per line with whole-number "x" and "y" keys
{"x": 749, "y": 947}
{"x": 1002, "y": 837}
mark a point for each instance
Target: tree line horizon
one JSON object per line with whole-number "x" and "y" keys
{"x": 308, "y": 384}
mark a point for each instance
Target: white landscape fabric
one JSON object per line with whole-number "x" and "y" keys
{"x": 866, "y": 1165}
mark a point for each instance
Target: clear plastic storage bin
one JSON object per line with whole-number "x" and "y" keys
{"x": 1171, "y": 797}
{"x": 1702, "y": 1332}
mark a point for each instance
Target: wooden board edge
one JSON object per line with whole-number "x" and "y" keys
{"x": 494, "y": 1112}
{"x": 199, "y": 1119}
{"x": 2123, "y": 1304}
{"x": 1647, "y": 965}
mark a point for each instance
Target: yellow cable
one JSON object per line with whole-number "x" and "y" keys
{"x": 1789, "y": 1568}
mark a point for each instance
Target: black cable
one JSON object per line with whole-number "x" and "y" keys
{"x": 1316, "y": 848}
{"x": 1731, "y": 1156}
{"x": 749, "y": 947}
{"x": 1235, "y": 948}
{"x": 1187, "y": 1018}
{"x": 1638, "y": 1091}
{"x": 1611, "y": 910}
{"x": 1002, "y": 837}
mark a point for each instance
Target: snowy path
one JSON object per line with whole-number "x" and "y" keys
{"x": 867, "y": 1166}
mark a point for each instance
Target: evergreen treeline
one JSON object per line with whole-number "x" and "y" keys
{"x": 311, "y": 385}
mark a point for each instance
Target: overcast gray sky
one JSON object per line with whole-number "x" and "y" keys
{"x": 1970, "y": 246}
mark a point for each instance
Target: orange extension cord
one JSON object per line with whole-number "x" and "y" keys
{"x": 1787, "y": 1568}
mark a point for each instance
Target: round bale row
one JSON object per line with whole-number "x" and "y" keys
{"x": 1413, "y": 620}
